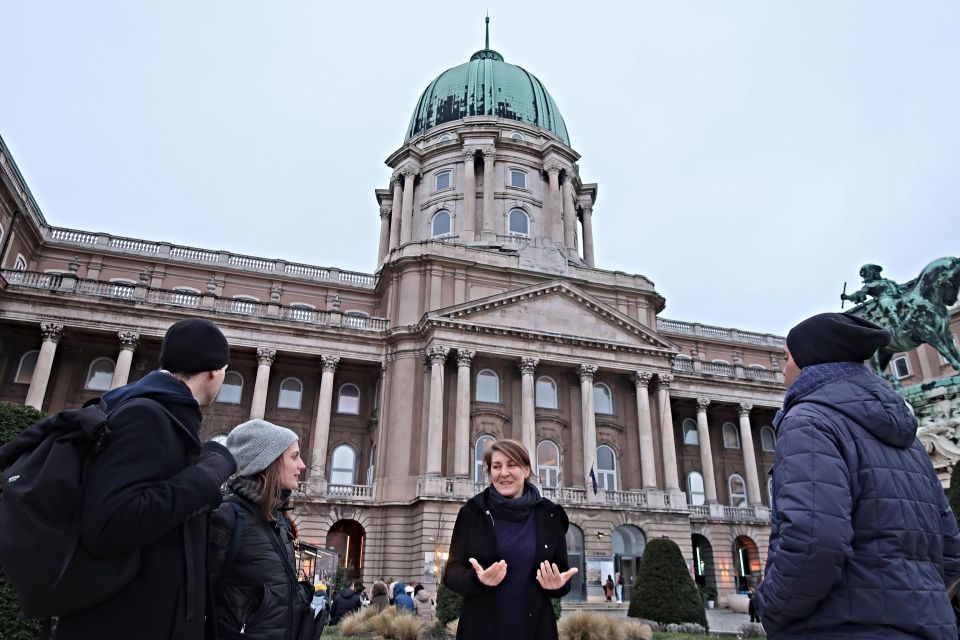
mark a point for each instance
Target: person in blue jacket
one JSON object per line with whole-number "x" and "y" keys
{"x": 402, "y": 601}
{"x": 863, "y": 542}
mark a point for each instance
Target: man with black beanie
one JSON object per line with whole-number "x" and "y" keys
{"x": 150, "y": 490}
{"x": 863, "y": 543}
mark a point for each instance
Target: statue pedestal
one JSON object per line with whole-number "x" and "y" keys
{"x": 937, "y": 407}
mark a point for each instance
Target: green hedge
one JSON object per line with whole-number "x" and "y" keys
{"x": 664, "y": 590}
{"x": 14, "y": 418}
{"x": 448, "y": 604}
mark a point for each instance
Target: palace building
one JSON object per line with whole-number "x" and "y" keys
{"x": 488, "y": 315}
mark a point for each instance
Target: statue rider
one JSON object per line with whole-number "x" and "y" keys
{"x": 885, "y": 291}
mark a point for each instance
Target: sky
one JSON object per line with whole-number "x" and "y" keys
{"x": 750, "y": 155}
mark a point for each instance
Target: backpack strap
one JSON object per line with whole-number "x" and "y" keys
{"x": 236, "y": 536}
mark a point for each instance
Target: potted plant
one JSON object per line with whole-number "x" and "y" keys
{"x": 711, "y": 597}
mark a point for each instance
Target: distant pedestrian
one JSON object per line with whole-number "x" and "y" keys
{"x": 619, "y": 587}
{"x": 380, "y": 599}
{"x": 401, "y": 600}
{"x": 423, "y": 604}
{"x": 608, "y": 588}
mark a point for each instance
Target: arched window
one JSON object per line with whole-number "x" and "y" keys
{"x": 488, "y": 386}
{"x": 516, "y": 135}
{"x": 343, "y": 465}
{"x": 245, "y": 304}
{"x": 758, "y": 367}
{"x": 690, "y": 434}
{"x": 28, "y": 362}
{"x": 232, "y": 388}
{"x": 121, "y": 287}
{"x": 100, "y": 375}
{"x": 546, "y": 393}
{"x": 723, "y": 362}
{"x": 548, "y": 464}
{"x": 602, "y": 399}
{"x": 519, "y": 223}
{"x": 348, "y": 399}
{"x": 606, "y": 468}
{"x": 900, "y": 367}
{"x": 770, "y": 492}
{"x": 20, "y": 264}
{"x": 768, "y": 439}
{"x": 443, "y": 180}
{"x": 480, "y": 447}
{"x": 695, "y": 487}
{"x": 441, "y": 224}
{"x": 731, "y": 437}
{"x": 518, "y": 178}
{"x": 444, "y": 138}
{"x": 291, "y": 394}
{"x": 185, "y": 296}
{"x": 738, "y": 491}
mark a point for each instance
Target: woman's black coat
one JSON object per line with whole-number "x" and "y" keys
{"x": 474, "y": 537}
{"x": 255, "y": 595}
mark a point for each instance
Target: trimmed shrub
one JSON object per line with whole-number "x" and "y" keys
{"x": 448, "y": 604}
{"x": 557, "y": 607}
{"x": 664, "y": 590}
{"x": 584, "y": 625}
{"x": 636, "y": 630}
{"x": 357, "y": 623}
{"x": 14, "y": 418}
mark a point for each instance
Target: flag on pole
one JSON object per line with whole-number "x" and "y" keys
{"x": 593, "y": 478}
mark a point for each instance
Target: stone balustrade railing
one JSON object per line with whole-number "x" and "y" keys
{"x": 733, "y": 335}
{"x": 67, "y": 283}
{"x": 155, "y": 250}
{"x": 349, "y": 491}
{"x": 716, "y": 369}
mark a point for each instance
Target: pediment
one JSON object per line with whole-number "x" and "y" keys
{"x": 556, "y": 309}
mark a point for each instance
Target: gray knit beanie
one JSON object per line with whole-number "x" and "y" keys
{"x": 256, "y": 444}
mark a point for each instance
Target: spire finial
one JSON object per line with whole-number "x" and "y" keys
{"x": 488, "y": 31}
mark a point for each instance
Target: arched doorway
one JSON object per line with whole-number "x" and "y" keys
{"x": 347, "y": 538}
{"x": 746, "y": 563}
{"x": 628, "y": 545}
{"x": 578, "y": 583}
{"x": 704, "y": 568}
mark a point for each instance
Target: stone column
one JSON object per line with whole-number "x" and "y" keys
{"x": 648, "y": 469}
{"x": 555, "y": 222}
{"x": 670, "y": 478}
{"x": 569, "y": 213}
{"x": 488, "y": 180}
{"x": 128, "y": 344}
{"x": 527, "y": 411}
{"x": 384, "y": 234}
{"x": 406, "y": 224}
{"x": 395, "y": 211}
{"x": 461, "y": 452}
{"x": 588, "y": 235}
{"x": 469, "y": 224}
{"x": 437, "y": 357}
{"x": 321, "y": 432}
{"x": 587, "y": 371}
{"x": 749, "y": 457}
{"x": 51, "y": 333}
{"x": 706, "y": 452}
{"x": 265, "y": 358}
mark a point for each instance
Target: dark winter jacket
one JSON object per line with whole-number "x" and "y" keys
{"x": 401, "y": 599}
{"x": 346, "y": 601}
{"x": 256, "y": 594}
{"x": 474, "y": 537}
{"x": 863, "y": 543}
{"x": 144, "y": 492}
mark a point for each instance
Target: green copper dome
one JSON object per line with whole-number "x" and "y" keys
{"x": 487, "y": 86}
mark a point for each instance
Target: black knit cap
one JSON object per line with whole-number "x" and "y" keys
{"x": 834, "y": 337}
{"x": 194, "y": 345}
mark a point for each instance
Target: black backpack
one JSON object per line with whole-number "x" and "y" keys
{"x": 42, "y": 478}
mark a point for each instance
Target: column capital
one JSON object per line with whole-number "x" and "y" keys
{"x": 642, "y": 378}
{"x": 744, "y": 410}
{"x": 51, "y": 331}
{"x": 489, "y": 154}
{"x": 553, "y": 167}
{"x": 438, "y": 354}
{"x": 128, "y": 340}
{"x": 702, "y": 404}
{"x": 408, "y": 171}
{"x": 469, "y": 153}
{"x": 265, "y": 355}
{"x": 396, "y": 179}
{"x": 465, "y": 357}
{"x": 587, "y": 209}
{"x": 587, "y": 371}
{"x": 385, "y": 211}
{"x": 664, "y": 380}
{"x": 528, "y": 365}
{"x": 329, "y": 363}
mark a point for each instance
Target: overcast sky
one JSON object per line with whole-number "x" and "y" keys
{"x": 750, "y": 156}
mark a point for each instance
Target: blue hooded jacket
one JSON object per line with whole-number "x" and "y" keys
{"x": 400, "y": 598}
{"x": 863, "y": 543}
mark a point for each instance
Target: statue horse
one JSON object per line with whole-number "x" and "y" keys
{"x": 919, "y": 314}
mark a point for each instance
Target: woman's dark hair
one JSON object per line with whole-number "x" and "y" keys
{"x": 513, "y": 449}
{"x": 271, "y": 489}
{"x": 417, "y": 589}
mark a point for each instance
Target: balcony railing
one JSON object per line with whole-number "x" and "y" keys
{"x": 683, "y": 364}
{"x": 350, "y": 491}
{"x": 760, "y": 374}
{"x": 734, "y": 335}
{"x": 565, "y": 494}
{"x": 716, "y": 369}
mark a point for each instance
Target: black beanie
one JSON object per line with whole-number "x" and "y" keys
{"x": 194, "y": 345}
{"x": 834, "y": 337}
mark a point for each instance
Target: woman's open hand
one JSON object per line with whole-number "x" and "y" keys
{"x": 550, "y": 577}
{"x": 492, "y": 575}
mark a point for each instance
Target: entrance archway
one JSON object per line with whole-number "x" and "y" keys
{"x": 746, "y": 563}
{"x": 628, "y": 545}
{"x": 347, "y": 538}
{"x": 578, "y": 583}
{"x": 704, "y": 568}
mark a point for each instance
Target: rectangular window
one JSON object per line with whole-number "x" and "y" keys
{"x": 901, "y": 368}
{"x": 518, "y": 179}
{"x": 443, "y": 180}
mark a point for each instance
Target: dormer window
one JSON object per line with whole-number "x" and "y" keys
{"x": 444, "y": 138}
{"x": 443, "y": 180}
{"x": 516, "y": 135}
{"x": 518, "y": 178}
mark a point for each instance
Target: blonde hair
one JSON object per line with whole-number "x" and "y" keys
{"x": 513, "y": 449}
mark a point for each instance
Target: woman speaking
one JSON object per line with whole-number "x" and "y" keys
{"x": 508, "y": 554}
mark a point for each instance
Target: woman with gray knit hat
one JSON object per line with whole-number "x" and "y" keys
{"x": 251, "y": 559}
